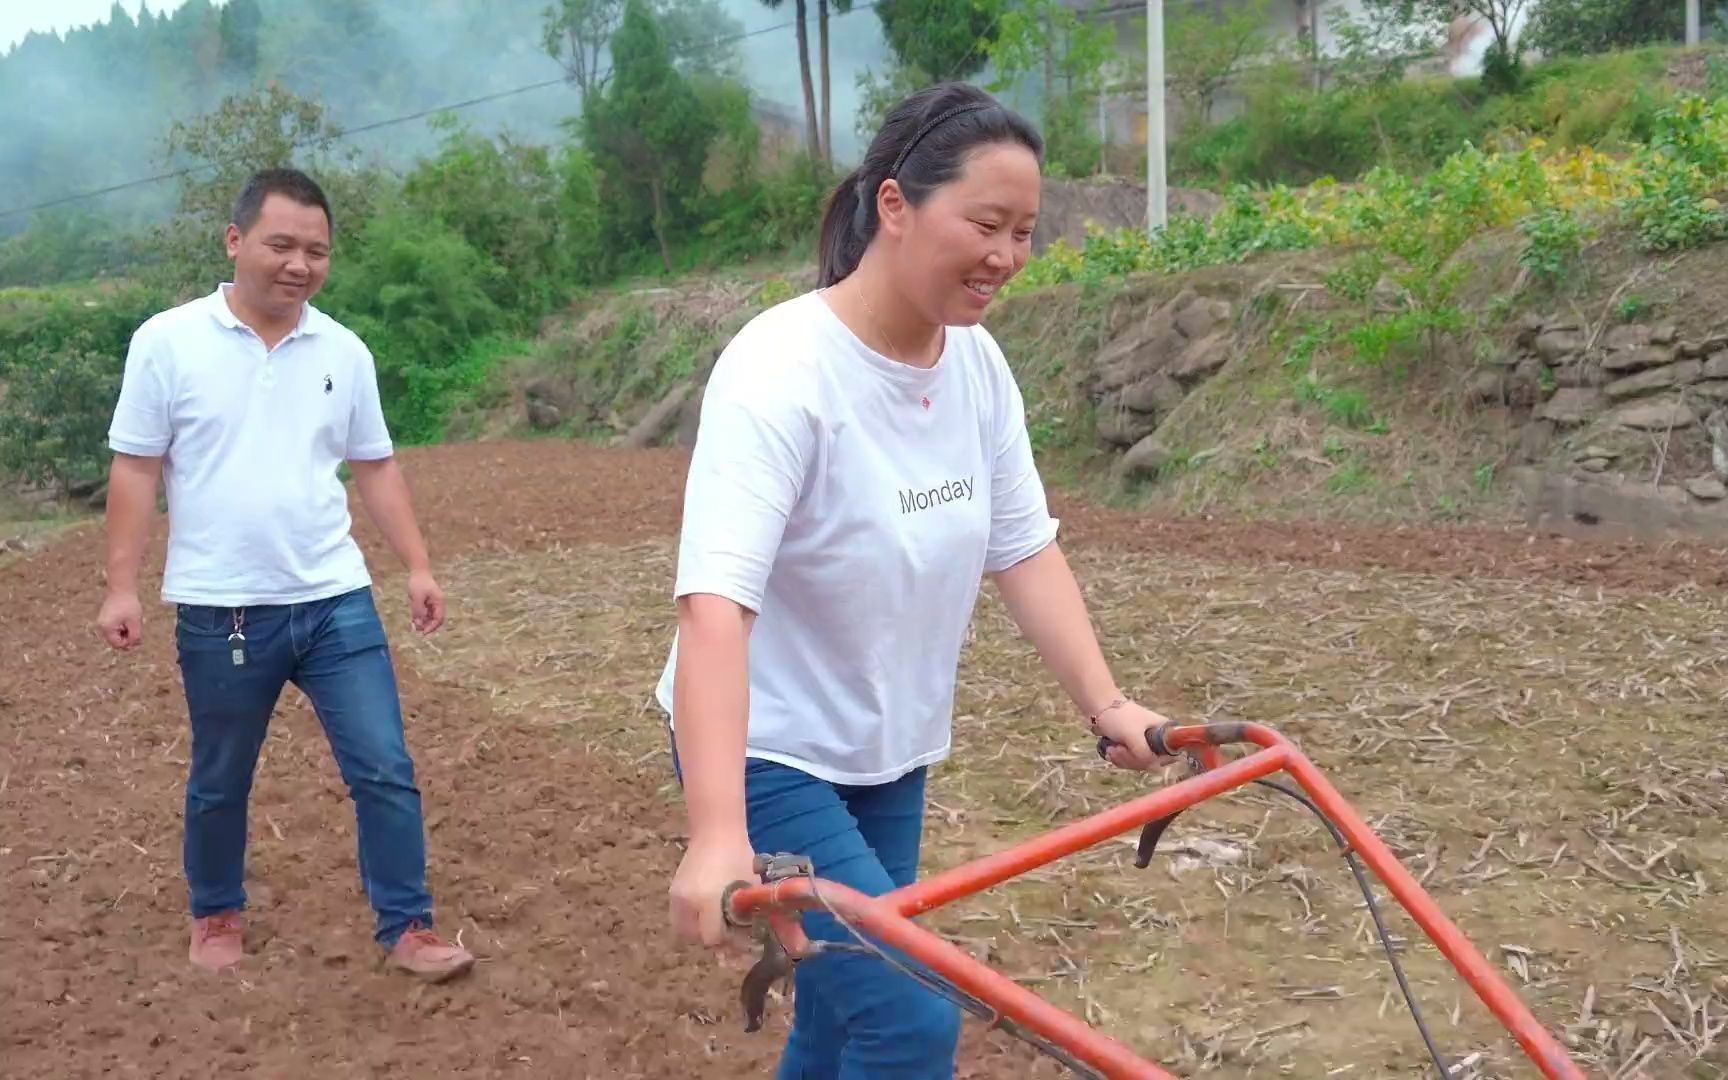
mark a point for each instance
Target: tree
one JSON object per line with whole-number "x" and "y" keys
{"x": 240, "y": 23}
{"x": 812, "y": 134}
{"x": 648, "y": 127}
{"x": 946, "y": 39}
{"x": 507, "y": 199}
{"x": 575, "y": 34}
{"x": 1502, "y": 65}
{"x": 1204, "y": 50}
{"x": 90, "y": 107}
{"x": 194, "y": 40}
{"x": 1377, "y": 47}
{"x": 1580, "y": 27}
{"x": 699, "y": 36}
{"x": 266, "y": 128}
{"x": 841, "y": 6}
{"x": 879, "y": 93}
{"x": 1073, "y": 54}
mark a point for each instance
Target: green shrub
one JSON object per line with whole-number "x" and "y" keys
{"x": 1582, "y": 27}
{"x": 62, "y": 355}
{"x": 68, "y": 244}
{"x": 772, "y": 215}
{"x": 47, "y": 322}
{"x": 523, "y": 206}
{"x": 54, "y": 415}
{"x": 1609, "y": 102}
{"x": 1414, "y": 224}
{"x": 425, "y": 302}
{"x": 1672, "y": 208}
{"x": 1678, "y": 176}
{"x": 1553, "y": 239}
{"x": 1287, "y": 134}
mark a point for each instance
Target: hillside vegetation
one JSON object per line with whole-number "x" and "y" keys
{"x": 510, "y": 287}
{"x": 1286, "y": 133}
{"x": 1367, "y": 348}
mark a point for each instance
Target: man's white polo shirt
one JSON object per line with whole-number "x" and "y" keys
{"x": 251, "y": 441}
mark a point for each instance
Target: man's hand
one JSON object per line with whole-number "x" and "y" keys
{"x": 426, "y": 602}
{"x": 1126, "y": 726}
{"x": 384, "y": 492}
{"x": 132, "y": 484}
{"x": 121, "y": 620}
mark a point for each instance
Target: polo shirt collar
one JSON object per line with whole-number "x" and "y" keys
{"x": 224, "y": 314}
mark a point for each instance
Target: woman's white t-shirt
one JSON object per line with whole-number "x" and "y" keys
{"x": 854, "y": 503}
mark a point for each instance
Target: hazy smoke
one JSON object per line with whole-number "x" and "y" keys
{"x": 91, "y": 111}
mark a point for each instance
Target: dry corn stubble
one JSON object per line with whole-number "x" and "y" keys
{"x": 1540, "y": 757}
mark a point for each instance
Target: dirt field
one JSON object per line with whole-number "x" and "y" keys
{"x": 1534, "y": 725}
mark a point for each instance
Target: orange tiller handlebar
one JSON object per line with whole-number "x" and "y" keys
{"x": 888, "y": 917}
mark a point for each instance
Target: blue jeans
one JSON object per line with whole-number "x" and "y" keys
{"x": 853, "y": 1015}
{"x": 336, "y": 652}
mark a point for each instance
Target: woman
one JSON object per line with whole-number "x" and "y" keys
{"x": 862, "y": 461}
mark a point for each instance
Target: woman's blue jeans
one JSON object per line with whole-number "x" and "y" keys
{"x": 854, "y": 1016}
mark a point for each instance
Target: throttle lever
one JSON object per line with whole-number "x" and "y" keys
{"x": 1154, "y": 829}
{"x": 782, "y": 938}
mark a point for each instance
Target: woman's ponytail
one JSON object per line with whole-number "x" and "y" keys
{"x": 842, "y": 241}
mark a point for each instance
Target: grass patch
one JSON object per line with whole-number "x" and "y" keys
{"x": 609, "y": 358}
{"x": 27, "y": 524}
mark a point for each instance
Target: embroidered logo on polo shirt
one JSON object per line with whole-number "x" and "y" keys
{"x": 924, "y": 402}
{"x": 328, "y": 385}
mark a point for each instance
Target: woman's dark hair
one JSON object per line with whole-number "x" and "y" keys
{"x": 922, "y": 145}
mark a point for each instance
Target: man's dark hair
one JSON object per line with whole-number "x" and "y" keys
{"x": 293, "y": 183}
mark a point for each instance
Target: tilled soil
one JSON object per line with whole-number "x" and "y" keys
{"x": 537, "y": 494}
{"x": 551, "y": 869}
{"x": 551, "y": 864}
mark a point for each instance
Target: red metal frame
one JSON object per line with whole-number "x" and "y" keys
{"x": 888, "y": 917}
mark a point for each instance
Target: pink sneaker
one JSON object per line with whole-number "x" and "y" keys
{"x": 216, "y": 941}
{"x": 424, "y": 954}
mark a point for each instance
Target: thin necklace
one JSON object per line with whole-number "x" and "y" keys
{"x": 877, "y": 323}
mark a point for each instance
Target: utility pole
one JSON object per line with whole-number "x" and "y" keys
{"x": 1692, "y": 33}
{"x": 1157, "y": 198}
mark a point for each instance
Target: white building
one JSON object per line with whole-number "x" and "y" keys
{"x": 1293, "y": 27}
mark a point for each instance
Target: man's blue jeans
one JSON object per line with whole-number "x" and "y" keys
{"x": 335, "y": 651}
{"x": 854, "y": 1016}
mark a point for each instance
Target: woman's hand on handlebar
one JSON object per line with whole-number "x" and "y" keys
{"x": 710, "y": 864}
{"x": 1126, "y": 725}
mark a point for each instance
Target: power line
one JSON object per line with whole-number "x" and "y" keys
{"x": 345, "y": 133}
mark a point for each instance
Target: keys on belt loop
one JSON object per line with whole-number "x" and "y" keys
{"x": 237, "y": 640}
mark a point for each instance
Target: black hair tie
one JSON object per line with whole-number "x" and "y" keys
{"x": 860, "y": 212}
{"x": 930, "y": 126}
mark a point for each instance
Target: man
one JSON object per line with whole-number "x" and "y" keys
{"x": 244, "y": 402}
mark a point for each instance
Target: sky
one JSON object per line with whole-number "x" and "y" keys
{"x": 19, "y": 17}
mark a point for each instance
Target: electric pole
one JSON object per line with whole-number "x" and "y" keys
{"x": 1157, "y": 199}
{"x": 1692, "y": 33}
